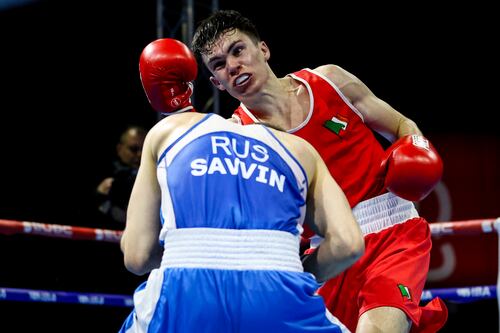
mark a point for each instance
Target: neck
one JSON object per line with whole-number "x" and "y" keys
{"x": 279, "y": 103}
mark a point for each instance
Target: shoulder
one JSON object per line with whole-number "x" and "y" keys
{"x": 291, "y": 140}
{"x": 336, "y": 74}
{"x": 302, "y": 150}
{"x": 170, "y": 128}
{"x": 328, "y": 69}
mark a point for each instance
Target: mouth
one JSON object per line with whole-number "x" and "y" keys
{"x": 241, "y": 80}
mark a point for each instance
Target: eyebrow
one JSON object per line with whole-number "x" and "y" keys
{"x": 217, "y": 57}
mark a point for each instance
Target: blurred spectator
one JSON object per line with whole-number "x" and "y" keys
{"x": 113, "y": 192}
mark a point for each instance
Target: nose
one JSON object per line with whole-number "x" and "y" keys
{"x": 233, "y": 65}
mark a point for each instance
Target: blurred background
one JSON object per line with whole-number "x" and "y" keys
{"x": 70, "y": 85}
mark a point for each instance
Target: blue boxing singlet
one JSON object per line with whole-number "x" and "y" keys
{"x": 232, "y": 208}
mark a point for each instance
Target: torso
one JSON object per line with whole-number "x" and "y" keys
{"x": 226, "y": 163}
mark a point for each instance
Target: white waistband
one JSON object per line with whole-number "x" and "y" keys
{"x": 382, "y": 212}
{"x": 379, "y": 213}
{"x": 232, "y": 249}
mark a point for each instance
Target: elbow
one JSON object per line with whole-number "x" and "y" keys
{"x": 135, "y": 264}
{"x": 136, "y": 260}
{"x": 356, "y": 242}
{"x": 140, "y": 260}
{"x": 352, "y": 250}
{"x": 357, "y": 249}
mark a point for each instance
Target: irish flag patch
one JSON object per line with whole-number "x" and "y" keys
{"x": 405, "y": 292}
{"x": 336, "y": 124}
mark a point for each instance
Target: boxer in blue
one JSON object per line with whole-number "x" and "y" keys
{"x": 215, "y": 218}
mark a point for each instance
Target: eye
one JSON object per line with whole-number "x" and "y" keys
{"x": 134, "y": 149}
{"x": 238, "y": 50}
{"x": 218, "y": 65}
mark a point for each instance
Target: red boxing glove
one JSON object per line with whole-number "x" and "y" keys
{"x": 412, "y": 167}
{"x": 167, "y": 67}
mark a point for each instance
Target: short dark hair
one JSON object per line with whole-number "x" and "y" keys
{"x": 141, "y": 131}
{"x": 210, "y": 29}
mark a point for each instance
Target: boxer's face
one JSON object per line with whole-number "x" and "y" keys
{"x": 238, "y": 64}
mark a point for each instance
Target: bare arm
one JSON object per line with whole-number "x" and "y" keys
{"x": 139, "y": 241}
{"x": 377, "y": 114}
{"x": 329, "y": 214}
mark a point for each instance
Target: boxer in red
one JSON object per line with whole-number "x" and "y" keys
{"x": 337, "y": 114}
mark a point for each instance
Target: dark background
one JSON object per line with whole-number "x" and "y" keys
{"x": 70, "y": 84}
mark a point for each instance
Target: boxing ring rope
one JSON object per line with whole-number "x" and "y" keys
{"x": 51, "y": 296}
{"x": 462, "y": 295}
{"x": 467, "y": 227}
{"x": 11, "y": 227}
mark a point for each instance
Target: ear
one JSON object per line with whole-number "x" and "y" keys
{"x": 265, "y": 50}
{"x": 217, "y": 83}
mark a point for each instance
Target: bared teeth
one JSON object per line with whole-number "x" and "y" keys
{"x": 242, "y": 79}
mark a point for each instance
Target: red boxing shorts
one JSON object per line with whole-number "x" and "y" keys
{"x": 392, "y": 271}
